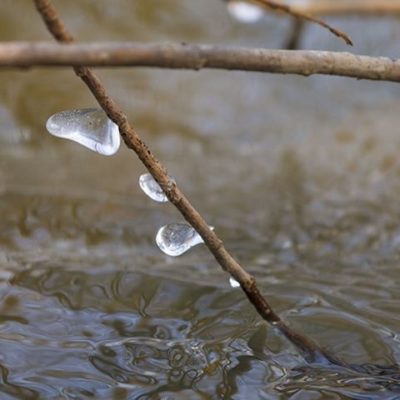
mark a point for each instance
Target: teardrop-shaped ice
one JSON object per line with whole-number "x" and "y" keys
{"x": 148, "y": 184}
{"x": 234, "y": 283}
{"x": 89, "y": 127}
{"x": 176, "y": 239}
{"x": 245, "y": 12}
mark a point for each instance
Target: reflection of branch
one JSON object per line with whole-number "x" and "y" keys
{"x": 336, "y": 7}
{"x": 174, "y": 194}
{"x": 197, "y": 57}
{"x": 288, "y": 9}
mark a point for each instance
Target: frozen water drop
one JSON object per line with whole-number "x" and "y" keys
{"x": 148, "y": 184}
{"x": 89, "y": 127}
{"x": 234, "y": 283}
{"x": 176, "y": 239}
{"x": 245, "y": 12}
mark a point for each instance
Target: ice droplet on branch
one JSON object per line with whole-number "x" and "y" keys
{"x": 176, "y": 239}
{"x": 234, "y": 283}
{"x": 245, "y": 12}
{"x": 149, "y": 186}
{"x": 89, "y": 127}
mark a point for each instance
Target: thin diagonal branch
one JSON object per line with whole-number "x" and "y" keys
{"x": 177, "y": 198}
{"x": 198, "y": 56}
{"x": 277, "y": 6}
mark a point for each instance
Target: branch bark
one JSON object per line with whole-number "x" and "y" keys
{"x": 309, "y": 349}
{"x": 196, "y": 57}
{"x": 355, "y": 7}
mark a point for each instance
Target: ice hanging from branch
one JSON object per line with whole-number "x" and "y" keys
{"x": 89, "y": 127}
{"x": 173, "y": 239}
{"x": 150, "y": 187}
{"x": 176, "y": 239}
{"x": 245, "y": 12}
{"x": 234, "y": 283}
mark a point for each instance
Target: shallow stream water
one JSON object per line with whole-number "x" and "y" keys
{"x": 299, "y": 176}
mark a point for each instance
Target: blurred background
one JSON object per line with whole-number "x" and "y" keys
{"x": 299, "y": 176}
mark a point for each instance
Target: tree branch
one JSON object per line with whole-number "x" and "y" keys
{"x": 288, "y": 9}
{"x": 248, "y": 284}
{"x": 358, "y": 7}
{"x": 184, "y": 56}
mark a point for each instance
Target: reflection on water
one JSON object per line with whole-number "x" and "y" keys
{"x": 300, "y": 177}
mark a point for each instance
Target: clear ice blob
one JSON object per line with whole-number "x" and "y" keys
{"x": 89, "y": 127}
{"x": 149, "y": 186}
{"x": 245, "y": 12}
{"x": 176, "y": 239}
{"x": 234, "y": 283}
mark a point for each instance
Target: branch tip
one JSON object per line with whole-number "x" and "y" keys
{"x": 273, "y": 5}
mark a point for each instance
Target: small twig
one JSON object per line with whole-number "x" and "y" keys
{"x": 295, "y": 35}
{"x": 276, "y": 6}
{"x": 190, "y": 56}
{"x": 177, "y": 198}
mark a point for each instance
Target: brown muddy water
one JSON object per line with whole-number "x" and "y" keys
{"x": 299, "y": 176}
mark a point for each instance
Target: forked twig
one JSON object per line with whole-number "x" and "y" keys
{"x": 309, "y": 349}
{"x": 276, "y": 6}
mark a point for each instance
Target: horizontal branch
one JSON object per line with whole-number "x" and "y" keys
{"x": 196, "y": 57}
{"x": 358, "y": 7}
